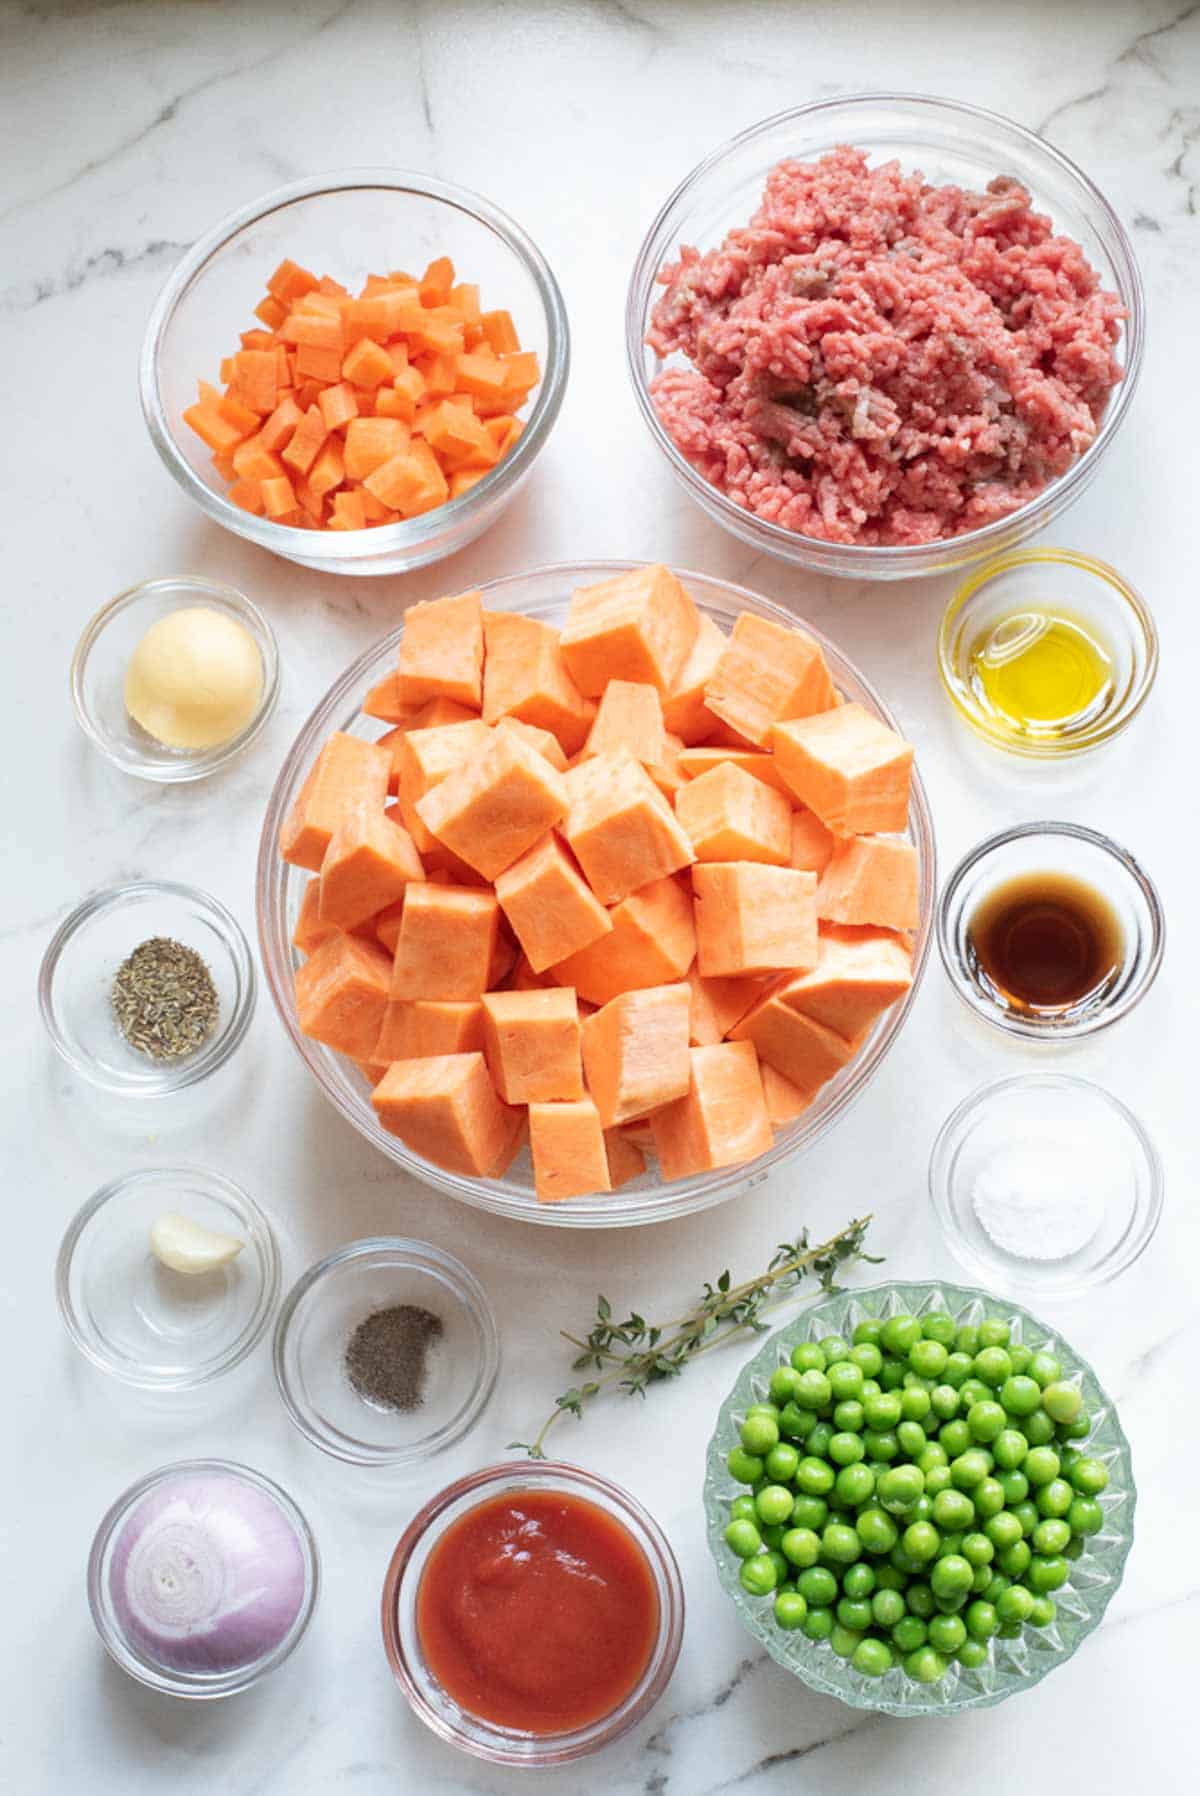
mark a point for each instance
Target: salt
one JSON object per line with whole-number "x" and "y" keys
{"x": 1045, "y": 1198}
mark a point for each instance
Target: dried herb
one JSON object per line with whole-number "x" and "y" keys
{"x": 632, "y": 1354}
{"x": 387, "y": 1355}
{"x": 164, "y": 999}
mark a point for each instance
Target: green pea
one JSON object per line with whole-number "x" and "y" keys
{"x": 993, "y": 1332}
{"x": 1041, "y": 1465}
{"x": 914, "y": 1404}
{"x": 1085, "y": 1516}
{"x": 1002, "y": 1529}
{"x": 953, "y": 1509}
{"x": 802, "y": 1546}
{"x": 909, "y": 1633}
{"x": 1020, "y": 1355}
{"x": 900, "y": 1334}
{"x": 891, "y": 1374}
{"x": 981, "y": 1619}
{"x": 944, "y": 1402}
{"x": 955, "y": 1437}
{"x": 867, "y": 1357}
{"x": 818, "y": 1441}
{"x": 795, "y": 1423}
{"x": 884, "y": 1411}
{"x": 1078, "y": 1430}
{"x": 818, "y": 1586}
{"x": 846, "y": 1448}
{"x": 1046, "y": 1573}
{"x": 876, "y": 1530}
{"x": 869, "y": 1329}
{"x": 947, "y": 1633}
{"x": 759, "y": 1434}
{"x": 1044, "y": 1368}
{"x": 845, "y": 1380}
{"x": 782, "y": 1568}
{"x": 993, "y": 1366}
{"x": 981, "y": 1582}
{"x": 978, "y": 1549}
{"x": 937, "y": 1479}
{"x": 854, "y": 1485}
{"x": 1043, "y": 1612}
{"x": 887, "y": 1607}
{"x": 855, "y": 1612}
{"x": 1009, "y": 1449}
{"x": 807, "y": 1357}
{"x": 781, "y": 1462}
{"x": 758, "y": 1575}
{"x": 969, "y": 1468}
{"x": 813, "y": 1390}
{"x": 900, "y": 1487}
{"x": 928, "y": 1358}
{"x": 1015, "y": 1486}
{"x": 911, "y": 1439}
{"x": 957, "y": 1369}
{"x": 790, "y": 1610}
{"x": 966, "y": 1339}
{"x": 1075, "y": 1548}
{"x": 1051, "y": 1537}
{"x": 818, "y": 1624}
{"x": 881, "y": 1444}
{"x": 844, "y": 1641}
{"x": 872, "y": 1657}
{"x": 848, "y": 1417}
{"x": 835, "y": 1348}
{"x": 972, "y": 1654}
{"x": 951, "y": 1577}
{"x": 972, "y": 1391}
{"x": 840, "y": 1543}
{"x": 1062, "y": 1402}
{"x": 1089, "y": 1477}
{"x": 1026, "y": 1513}
{"x": 814, "y": 1476}
{"x": 747, "y": 1468}
{"x": 764, "y": 1409}
{"x": 921, "y": 1540}
{"x": 1014, "y": 1560}
{"x": 772, "y": 1534}
{"x": 743, "y": 1538}
{"x": 810, "y": 1512}
{"x": 1020, "y": 1394}
{"x": 858, "y": 1579}
{"x": 988, "y": 1497}
{"x": 926, "y": 1665}
{"x": 986, "y": 1420}
{"x": 774, "y": 1503}
{"x": 1055, "y": 1498}
{"x": 741, "y": 1509}
{"x": 1038, "y": 1429}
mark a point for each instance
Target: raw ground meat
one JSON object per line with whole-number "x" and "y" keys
{"x": 877, "y": 361}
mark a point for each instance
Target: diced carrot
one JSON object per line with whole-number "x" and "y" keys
{"x": 314, "y": 330}
{"x": 367, "y": 365}
{"x": 223, "y": 463}
{"x": 256, "y": 379}
{"x": 289, "y": 282}
{"x": 486, "y": 375}
{"x": 347, "y": 512}
{"x": 503, "y": 430}
{"x": 247, "y": 495}
{"x": 206, "y": 420}
{"x": 374, "y": 511}
{"x": 440, "y": 374}
{"x": 271, "y": 311}
{"x": 276, "y": 431}
{"x": 252, "y": 460}
{"x": 230, "y": 407}
{"x": 436, "y": 282}
{"x": 521, "y": 371}
{"x": 338, "y": 403}
{"x": 464, "y": 479}
{"x": 500, "y": 332}
{"x": 328, "y": 471}
{"x": 307, "y": 441}
{"x": 257, "y": 339}
{"x": 312, "y": 504}
{"x": 278, "y": 497}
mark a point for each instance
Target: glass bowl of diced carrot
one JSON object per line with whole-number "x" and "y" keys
{"x": 357, "y": 371}
{"x": 431, "y": 994}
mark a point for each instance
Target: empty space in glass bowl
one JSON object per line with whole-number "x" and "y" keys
{"x": 1082, "y": 855}
{"x": 545, "y": 593}
{"x": 144, "y": 1322}
{"x": 76, "y": 982}
{"x": 329, "y": 1303}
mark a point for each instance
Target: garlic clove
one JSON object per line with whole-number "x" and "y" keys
{"x": 188, "y": 1247}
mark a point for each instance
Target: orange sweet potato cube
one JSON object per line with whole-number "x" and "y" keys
{"x": 490, "y": 809}
{"x": 531, "y": 1044}
{"x": 620, "y": 827}
{"x": 441, "y": 651}
{"x": 721, "y": 1120}
{"x": 525, "y": 676}
{"x": 636, "y": 626}
{"x": 812, "y": 843}
{"x": 369, "y": 862}
{"x": 785, "y": 1101}
{"x": 444, "y": 1107}
{"x": 635, "y": 1052}
{"x": 652, "y": 942}
{"x": 424, "y": 757}
{"x": 717, "y": 1004}
{"x": 446, "y": 943}
{"x": 684, "y": 710}
{"x": 803, "y": 1050}
{"x": 342, "y": 993}
{"x": 416, "y": 1029}
{"x": 541, "y": 740}
{"x": 753, "y": 919}
{"x": 696, "y": 761}
{"x": 625, "y": 1158}
{"x": 309, "y": 931}
{"x": 766, "y": 672}
{"x": 849, "y": 768}
{"x": 731, "y": 816}
{"x": 859, "y": 974}
{"x": 549, "y": 905}
{"x": 348, "y": 776}
{"x": 871, "y": 879}
{"x": 630, "y": 716}
{"x": 568, "y": 1148}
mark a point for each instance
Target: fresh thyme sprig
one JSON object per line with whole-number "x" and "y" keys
{"x": 632, "y": 1354}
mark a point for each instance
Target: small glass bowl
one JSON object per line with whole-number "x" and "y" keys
{"x": 950, "y": 143}
{"x": 1074, "y": 587}
{"x": 102, "y": 657}
{"x": 1083, "y": 854}
{"x": 1007, "y": 1127}
{"x": 1013, "y": 1665}
{"x": 348, "y": 225}
{"x": 79, "y": 966}
{"x": 440, "y": 1713}
{"x": 130, "y": 1654}
{"x": 144, "y": 1323}
{"x": 326, "y": 1305}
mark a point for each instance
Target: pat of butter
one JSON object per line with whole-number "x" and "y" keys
{"x": 195, "y": 679}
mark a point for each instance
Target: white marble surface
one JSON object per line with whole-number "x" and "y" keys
{"x": 125, "y": 130}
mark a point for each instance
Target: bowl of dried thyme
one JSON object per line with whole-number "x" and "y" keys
{"x": 147, "y": 987}
{"x": 386, "y": 1352}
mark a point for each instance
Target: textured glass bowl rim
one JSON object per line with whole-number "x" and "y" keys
{"x": 1103, "y": 728}
{"x": 181, "y": 1684}
{"x": 392, "y": 1251}
{"x": 218, "y": 1048}
{"x": 350, "y": 546}
{"x": 852, "y": 560}
{"x": 951, "y": 1132}
{"x": 266, "y": 1258}
{"x": 1008, "y": 1021}
{"x": 199, "y": 764}
{"x": 549, "y": 1749}
{"x": 825, "y": 1317}
{"x": 683, "y": 1196}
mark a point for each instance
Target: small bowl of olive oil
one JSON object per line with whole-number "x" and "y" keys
{"x": 1047, "y": 653}
{"x": 1050, "y": 931}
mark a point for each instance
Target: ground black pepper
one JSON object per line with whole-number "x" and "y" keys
{"x": 387, "y": 1355}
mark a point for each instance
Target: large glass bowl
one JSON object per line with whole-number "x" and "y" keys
{"x": 1012, "y": 1665}
{"x": 545, "y": 594}
{"x": 348, "y": 225}
{"x": 949, "y": 143}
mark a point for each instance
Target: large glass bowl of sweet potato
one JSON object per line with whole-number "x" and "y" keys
{"x": 593, "y": 895}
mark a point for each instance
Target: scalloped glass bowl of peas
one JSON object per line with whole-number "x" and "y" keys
{"x": 919, "y": 1499}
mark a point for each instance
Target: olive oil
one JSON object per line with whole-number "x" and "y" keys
{"x": 1040, "y": 675}
{"x": 1045, "y": 942}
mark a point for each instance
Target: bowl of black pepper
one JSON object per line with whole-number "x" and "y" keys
{"x": 386, "y": 1352}
{"x": 147, "y": 987}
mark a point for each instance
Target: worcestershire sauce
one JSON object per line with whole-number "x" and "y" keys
{"x": 1044, "y": 941}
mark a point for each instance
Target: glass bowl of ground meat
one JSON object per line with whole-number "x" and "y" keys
{"x": 885, "y": 336}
